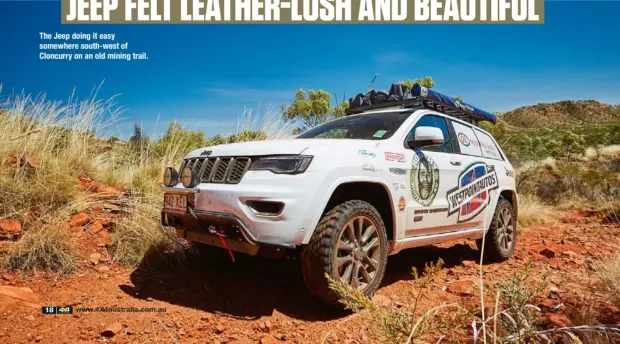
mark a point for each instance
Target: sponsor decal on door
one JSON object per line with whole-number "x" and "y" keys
{"x": 400, "y": 171}
{"x": 424, "y": 179}
{"x": 463, "y": 139}
{"x": 400, "y": 157}
{"x": 471, "y": 196}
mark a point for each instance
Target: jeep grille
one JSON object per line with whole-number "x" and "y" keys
{"x": 227, "y": 170}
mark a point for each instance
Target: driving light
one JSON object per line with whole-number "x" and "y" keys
{"x": 189, "y": 178}
{"x": 287, "y": 164}
{"x": 171, "y": 177}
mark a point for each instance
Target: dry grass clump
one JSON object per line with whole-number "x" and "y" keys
{"x": 533, "y": 211}
{"x": 48, "y": 248}
{"x": 514, "y": 319}
{"x": 609, "y": 275}
{"x": 140, "y": 232}
{"x": 403, "y": 324}
{"x": 48, "y": 145}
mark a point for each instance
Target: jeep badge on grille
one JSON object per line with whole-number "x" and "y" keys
{"x": 206, "y": 153}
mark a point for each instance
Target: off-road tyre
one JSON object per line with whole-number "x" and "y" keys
{"x": 495, "y": 249}
{"x": 318, "y": 256}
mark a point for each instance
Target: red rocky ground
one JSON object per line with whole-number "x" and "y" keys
{"x": 265, "y": 301}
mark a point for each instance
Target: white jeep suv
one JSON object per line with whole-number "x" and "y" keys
{"x": 401, "y": 170}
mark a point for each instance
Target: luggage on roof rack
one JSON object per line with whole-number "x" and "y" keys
{"x": 400, "y": 96}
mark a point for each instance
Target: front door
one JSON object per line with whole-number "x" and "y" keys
{"x": 433, "y": 171}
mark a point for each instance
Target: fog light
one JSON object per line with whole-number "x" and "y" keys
{"x": 171, "y": 177}
{"x": 189, "y": 178}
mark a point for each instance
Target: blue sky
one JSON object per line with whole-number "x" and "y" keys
{"x": 204, "y": 75}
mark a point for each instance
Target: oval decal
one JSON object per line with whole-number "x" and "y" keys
{"x": 463, "y": 139}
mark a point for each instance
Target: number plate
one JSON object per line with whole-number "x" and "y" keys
{"x": 175, "y": 202}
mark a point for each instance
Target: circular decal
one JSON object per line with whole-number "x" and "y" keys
{"x": 402, "y": 203}
{"x": 463, "y": 139}
{"x": 424, "y": 179}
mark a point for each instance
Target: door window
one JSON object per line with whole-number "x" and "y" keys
{"x": 437, "y": 122}
{"x": 468, "y": 142}
{"x": 489, "y": 149}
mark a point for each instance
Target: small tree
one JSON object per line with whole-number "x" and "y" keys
{"x": 139, "y": 142}
{"x": 178, "y": 139}
{"x": 426, "y": 82}
{"x": 312, "y": 108}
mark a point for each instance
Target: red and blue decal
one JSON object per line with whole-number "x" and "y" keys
{"x": 471, "y": 195}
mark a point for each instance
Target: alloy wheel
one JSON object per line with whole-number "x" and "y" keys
{"x": 358, "y": 252}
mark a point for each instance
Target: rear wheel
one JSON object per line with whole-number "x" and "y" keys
{"x": 501, "y": 238}
{"x": 350, "y": 245}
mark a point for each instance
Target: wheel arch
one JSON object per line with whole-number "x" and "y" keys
{"x": 372, "y": 190}
{"x": 511, "y": 196}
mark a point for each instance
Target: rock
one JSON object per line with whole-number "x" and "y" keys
{"x": 102, "y": 268}
{"x": 279, "y": 336}
{"x": 79, "y": 220}
{"x": 570, "y": 254}
{"x": 220, "y": 328}
{"x": 548, "y": 303}
{"x": 112, "y": 330}
{"x": 547, "y": 252}
{"x": 267, "y": 326}
{"x": 38, "y": 338}
{"x": 268, "y": 340}
{"x": 469, "y": 263}
{"x": 12, "y": 298}
{"x": 558, "y": 320}
{"x": 95, "y": 258}
{"x": 30, "y": 317}
{"x": 95, "y": 227}
{"x": 23, "y": 160}
{"x": 381, "y": 300}
{"x": 462, "y": 288}
{"x": 8, "y": 277}
{"x": 10, "y": 226}
{"x": 106, "y": 191}
{"x": 104, "y": 238}
{"x": 85, "y": 182}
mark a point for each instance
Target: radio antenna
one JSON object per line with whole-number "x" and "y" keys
{"x": 373, "y": 80}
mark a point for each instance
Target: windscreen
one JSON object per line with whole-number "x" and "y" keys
{"x": 375, "y": 126}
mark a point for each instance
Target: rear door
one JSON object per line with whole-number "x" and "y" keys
{"x": 474, "y": 187}
{"x": 432, "y": 171}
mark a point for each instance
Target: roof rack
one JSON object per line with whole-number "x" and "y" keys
{"x": 401, "y": 97}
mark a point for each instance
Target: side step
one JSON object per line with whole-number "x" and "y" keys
{"x": 425, "y": 240}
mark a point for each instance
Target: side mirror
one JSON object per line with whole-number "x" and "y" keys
{"x": 426, "y": 136}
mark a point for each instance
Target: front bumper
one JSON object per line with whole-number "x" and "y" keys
{"x": 224, "y": 206}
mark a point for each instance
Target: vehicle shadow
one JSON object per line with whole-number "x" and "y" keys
{"x": 400, "y": 266}
{"x": 254, "y": 287}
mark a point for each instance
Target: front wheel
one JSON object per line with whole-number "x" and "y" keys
{"x": 350, "y": 245}
{"x": 501, "y": 238}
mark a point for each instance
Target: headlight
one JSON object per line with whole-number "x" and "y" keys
{"x": 171, "y": 177}
{"x": 189, "y": 178}
{"x": 289, "y": 164}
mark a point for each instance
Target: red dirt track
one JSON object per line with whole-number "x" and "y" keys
{"x": 260, "y": 300}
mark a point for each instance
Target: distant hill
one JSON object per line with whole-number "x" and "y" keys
{"x": 562, "y": 113}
